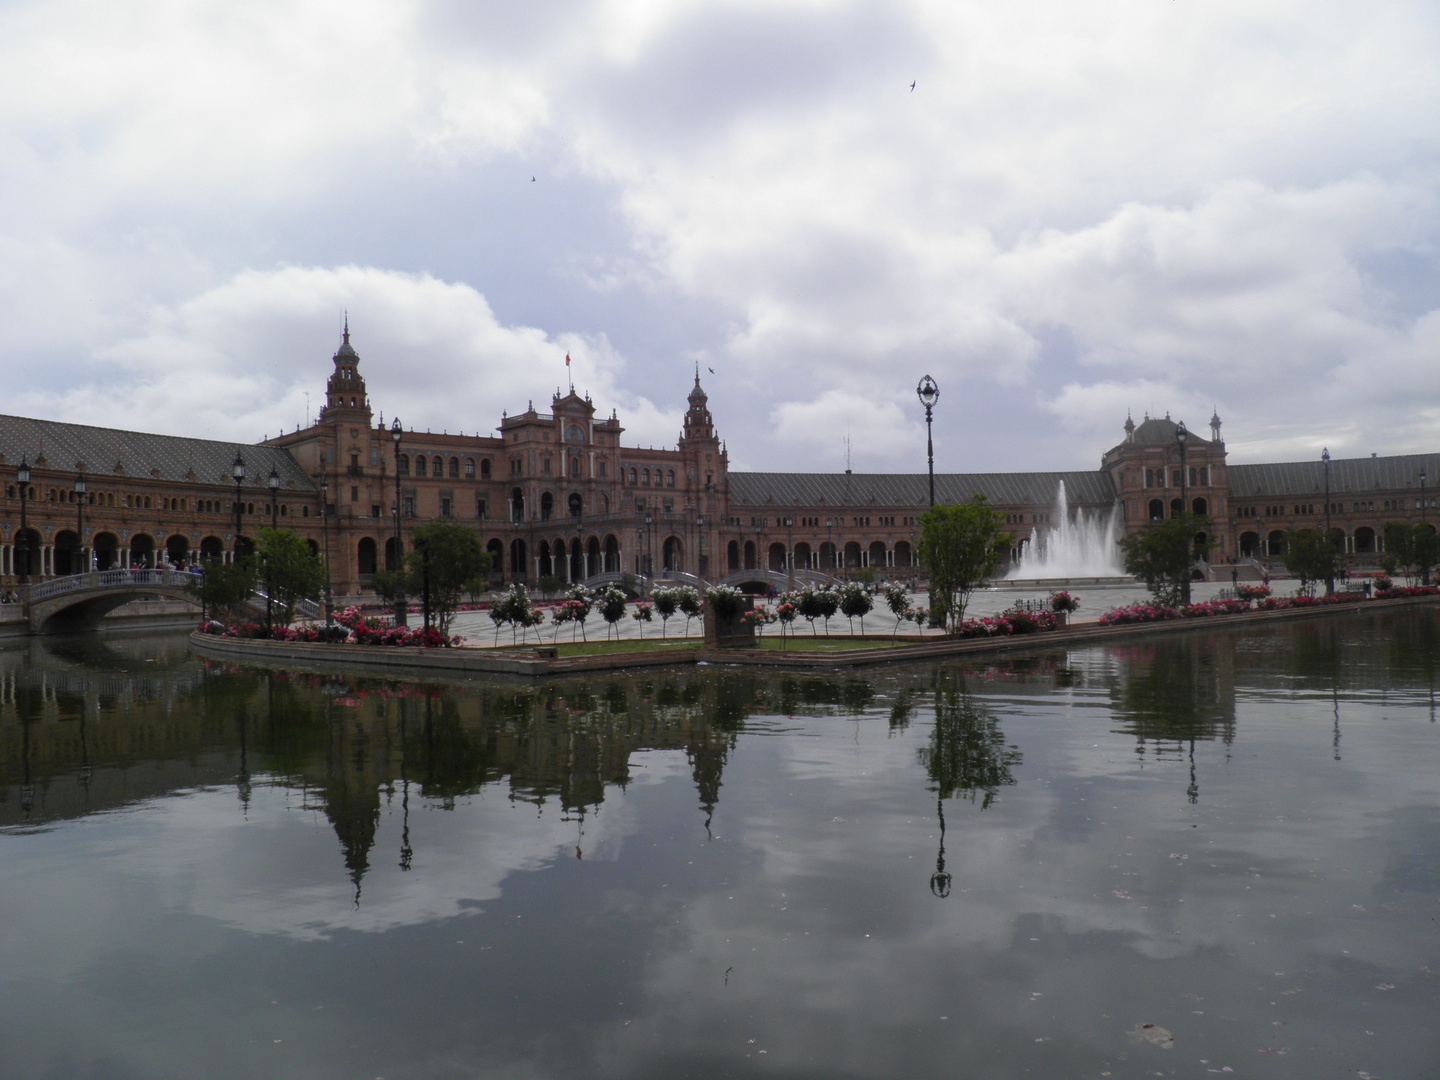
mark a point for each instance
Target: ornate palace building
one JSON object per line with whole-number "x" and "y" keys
{"x": 559, "y": 493}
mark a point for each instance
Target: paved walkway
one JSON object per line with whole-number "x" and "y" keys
{"x": 477, "y": 629}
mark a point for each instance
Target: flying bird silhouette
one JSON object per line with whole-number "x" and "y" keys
{"x": 711, "y": 370}
{"x": 912, "y": 87}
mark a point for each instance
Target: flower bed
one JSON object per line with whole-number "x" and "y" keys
{"x": 352, "y": 626}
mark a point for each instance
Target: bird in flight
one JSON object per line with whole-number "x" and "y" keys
{"x": 711, "y": 370}
{"x": 532, "y": 179}
{"x": 912, "y": 86}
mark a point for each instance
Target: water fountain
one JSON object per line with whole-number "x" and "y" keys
{"x": 1078, "y": 545}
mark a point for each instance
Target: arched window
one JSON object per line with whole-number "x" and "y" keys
{"x": 437, "y": 467}
{"x": 645, "y": 478}
{"x": 670, "y": 478}
{"x": 469, "y": 468}
{"x": 1157, "y": 509}
{"x": 485, "y": 469}
{"x": 600, "y": 468}
{"x": 632, "y": 477}
{"x": 420, "y": 464}
{"x": 454, "y": 468}
{"x": 575, "y": 504}
{"x": 574, "y": 468}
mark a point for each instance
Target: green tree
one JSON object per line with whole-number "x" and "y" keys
{"x": 963, "y": 546}
{"x": 224, "y": 588}
{"x": 1163, "y": 556}
{"x": 1310, "y": 555}
{"x": 446, "y": 560}
{"x": 854, "y": 600}
{"x": 1413, "y": 548}
{"x": 287, "y": 571}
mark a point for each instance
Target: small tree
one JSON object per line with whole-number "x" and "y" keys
{"x": 446, "y": 561}
{"x": 666, "y": 603}
{"x": 854, "y": 600}
{"x": 513, "y": 607}
{"x": 810, "y": 607}
{"x": 1310, "y": 556}
{"x": 224, "y": 588}
{"x": 962, "y": 545}
{"x": 1412, "y": 549}
{"x": 829, "y": 601}
{"x": 548, "y": 584}
{"x": 690, "y": 603}
{"x": 288, "y": 572}
{"x": 1162, "y": 555}
{"x": 897, "y": 599}
{"x": 642, "y": 615}
{"x": 581, "y": 601}
{"x": 611, "y": 602}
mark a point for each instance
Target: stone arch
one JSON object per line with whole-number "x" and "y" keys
{"x": 592, "y": 551}
{"x": 421, "y": 464}
{"x": 469, "y": 468}
{"x": 454, "y": 468}
{"x": 903, "y": 555}
{"x": 775, "y": 557}
{"x": 877, "y": 553}
{"x": 366, "y": 556}
{"x": 107, "y": 549}
{"x": 749, "y": 555}
{"x": 517, "y": 559}
{"x": 68, "y": 553}
{"x": 1199, "y": 508}
{"x": 212, "y": 548}
{"x": 852, "y": 554}
{"x": 1249, "y": 545}
{"x": 804, "y": 556}
{"x": 1364, "y": 540}
{"x": 542, "y": 551}
{"x": 673, "y": 553}
{"x": 612, "y": 554}
{"x": 577, "y": 560}
{"x": 403, "y": 467}
{"x": 575, "y": 504}
{"x": 177, "y": 548}
{"x": 484, "y": 468}
{"x": 828, "y": 556}
{"x": 1275, "y": 543}
{"x": 732, "y": 555}
{"x": 517, "y": 504}
{"x": 547, "y": 505}
{"x": 142, "y": 550}
{"x": 1156, "y": 510}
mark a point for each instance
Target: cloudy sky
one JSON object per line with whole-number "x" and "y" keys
{"x": 1079, "y": 210}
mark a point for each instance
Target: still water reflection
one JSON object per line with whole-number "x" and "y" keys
{"x": 959, "y": 870}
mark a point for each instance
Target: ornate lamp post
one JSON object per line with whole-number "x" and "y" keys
{"x": 80, "y": 488}
{"x": 401, "y": 604}
{"x": 237, "y": 470}
{"x": 1325, "y": 457}
{"x": 928, "y": 391}
{"x": 1424, "y": 570}
{"x": 325, "y": 533}
{"x": 22, "y": 546}
{"x": 273, "y": 483}
{"x": 1181, "y": 435}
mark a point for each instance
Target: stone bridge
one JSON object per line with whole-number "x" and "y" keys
{"x": 79, "y": 602}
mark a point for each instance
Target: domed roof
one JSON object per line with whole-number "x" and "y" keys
{"x": 696, "y": 393}
{"x": 346, "y": 350}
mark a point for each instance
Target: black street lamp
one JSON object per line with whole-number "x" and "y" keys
{"x": 325, "y": 532}
{"x": 273, "y": 483}
{"x": 1330, "y": 577}
{"x": 928, "y": 391}
{"x": 401, "y": 604}
{"x": 237, "y": 470}
{"x": 1181, "y": 436}
{"x": 1424, "y": 570}
{"x": 22, "y": 546}
{"x": 80, "y": 488}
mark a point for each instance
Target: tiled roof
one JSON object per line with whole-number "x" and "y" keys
{"x": 1347, "y": 475}
{"x": 912, "y": 489}
{"x": 66, "y": 447}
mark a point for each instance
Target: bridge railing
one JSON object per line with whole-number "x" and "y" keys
{"x": 111, "y": 579}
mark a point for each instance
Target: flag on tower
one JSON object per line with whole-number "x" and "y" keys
{"x": 567, "y": 359}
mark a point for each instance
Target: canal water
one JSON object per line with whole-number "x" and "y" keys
{"x": 1210, "y": 853}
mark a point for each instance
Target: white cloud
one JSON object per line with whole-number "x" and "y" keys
{"x": 1229, "y": 204}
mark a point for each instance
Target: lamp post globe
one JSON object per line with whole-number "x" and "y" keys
{"x": 22, "y": 546}
{"x": 401, "y": 604}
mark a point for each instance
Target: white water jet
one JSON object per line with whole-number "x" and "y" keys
{"x": 1079, "y": 545}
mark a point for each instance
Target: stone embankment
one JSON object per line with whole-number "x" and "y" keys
{"x": 541, "y": 661}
